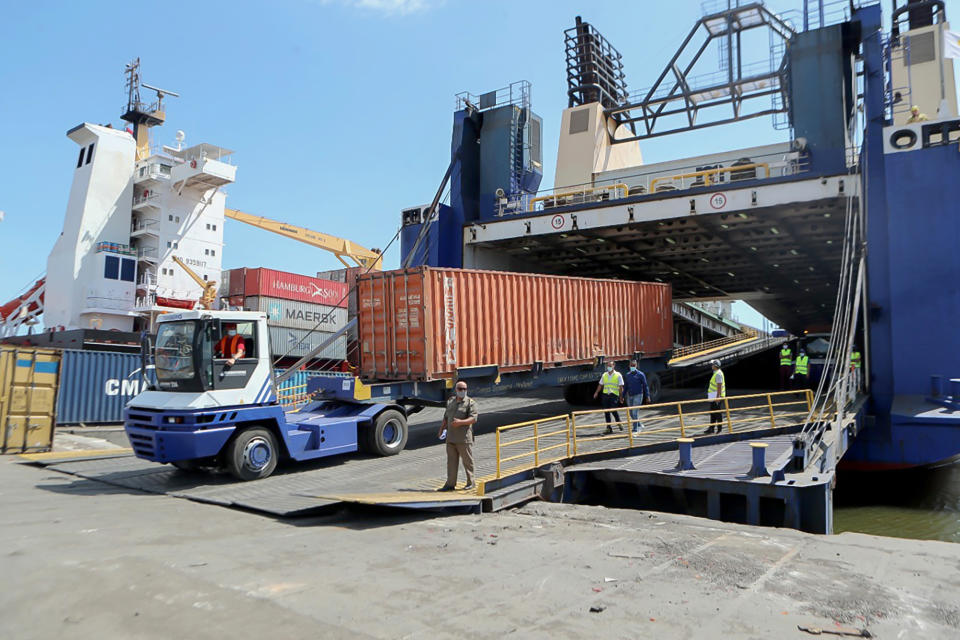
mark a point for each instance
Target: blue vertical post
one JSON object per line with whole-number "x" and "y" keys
{"x": 685, "y": 447}
{"x": 877, "y": 216}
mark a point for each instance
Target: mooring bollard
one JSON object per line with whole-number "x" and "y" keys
{"x": 955, "y": 389}
{"x": 759, "y": 468}
{"x": 685, "y": 446}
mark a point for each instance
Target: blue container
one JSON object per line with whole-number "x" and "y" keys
{"x": 95, "y": 386}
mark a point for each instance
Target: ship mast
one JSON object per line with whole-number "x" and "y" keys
{"x": 143, "y": 115}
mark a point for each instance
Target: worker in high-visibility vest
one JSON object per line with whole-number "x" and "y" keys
{"x": 801, "y": 371}
{"x": 786, "y": 366}
{"x": 611, "y": 384}
{"x": 856, "y": 362}
{"x": 716, "y": 391}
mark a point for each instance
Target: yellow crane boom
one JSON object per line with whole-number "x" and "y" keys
{"x": 209, "y": 295}
{"x": 366, "y": 258}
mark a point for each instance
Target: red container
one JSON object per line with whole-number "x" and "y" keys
{"x": 288, "y": 286}
{"x": 425, "y": 323}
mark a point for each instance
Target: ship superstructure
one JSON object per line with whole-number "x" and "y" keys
{"x": 132, "y": 208}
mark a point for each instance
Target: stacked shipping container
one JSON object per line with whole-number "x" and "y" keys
{"x": 302, "y": 311}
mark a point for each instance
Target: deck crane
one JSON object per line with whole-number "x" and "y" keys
{"x": 340, "y": 247}
{"x": 209, "y": 295}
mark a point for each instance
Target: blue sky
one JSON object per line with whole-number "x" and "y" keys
{"x": 339, "y": 111}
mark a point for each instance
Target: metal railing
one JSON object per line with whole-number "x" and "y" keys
{"x": 293, "y": 396}
{"x": 579, "y": 196}
{"x": 562, "y": 437}
{"x": 725, "y": 169}
{"x": 703, "y": 178}
{"x": 711, "y": 345}
{"x": 545, "y": 432}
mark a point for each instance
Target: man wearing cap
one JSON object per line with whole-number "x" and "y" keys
{"x": 230, "y": 346}
{"x": 716, "y": 391}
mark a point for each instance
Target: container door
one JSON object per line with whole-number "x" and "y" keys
{"x": 28, "y": 388}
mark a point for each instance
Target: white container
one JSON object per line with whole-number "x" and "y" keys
{"x": 298, "y": 315}
{"x": 294, "y": 343}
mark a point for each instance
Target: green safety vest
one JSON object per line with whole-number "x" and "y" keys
{"x": 802, "y": 365}
{"x": 715, "y": 381}
{"x": 855, "y": 359}
{"x": 611, "y": 383}
{"x": 786, "y": 357}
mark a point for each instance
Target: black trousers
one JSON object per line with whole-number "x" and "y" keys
{"x": 785, "y": 371}
{"x": 716, "y": 415}
{"x": 611, "y": 401}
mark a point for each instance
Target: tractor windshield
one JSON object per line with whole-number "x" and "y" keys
{"x": 175, "y": 361}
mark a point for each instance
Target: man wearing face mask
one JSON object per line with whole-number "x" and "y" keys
{"x": 611, "y": 384}
{"x": 458, "y": 421}
{"x": 637, "y": 394}
{"x": 230, "y": 346}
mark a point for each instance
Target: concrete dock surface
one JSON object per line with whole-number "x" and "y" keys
{"x": 82, "y": 559}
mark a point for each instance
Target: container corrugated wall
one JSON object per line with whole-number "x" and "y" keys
{"x": 288, "y": 286}
{"x": 95, "y": 386}
{"x": 294, "y": 343}
{"x": 425, "y": 323}
{"x": 28, "y": 389}
{"x": 298, "y": 315}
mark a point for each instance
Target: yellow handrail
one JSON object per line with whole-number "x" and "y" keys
{"x": 705, "y": 174}
{"x": 578, "y": 192}
{"x": 709, "y": 345}
{"x": 544, "y": 440}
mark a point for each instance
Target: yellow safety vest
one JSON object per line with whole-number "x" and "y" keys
{"x": 716, "y": 380}
{"x": 786, "y": 357}
{"x": 611, "y": 383}
{"x": 855, "y": 359}
{"x": 802, "y": 365}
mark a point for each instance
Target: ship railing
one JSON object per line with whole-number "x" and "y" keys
{"x": 714, "y": 345}
{"x": 721, "y": 172}
{"x": 147, "y": 199}
{"x": 516, "y": 93}
{"x": 141, "y": 224}
{"x": 531, "y": 444}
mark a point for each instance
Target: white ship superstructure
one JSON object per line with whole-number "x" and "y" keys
{"x": 131, "y": 210}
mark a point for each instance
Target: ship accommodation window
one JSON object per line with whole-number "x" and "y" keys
{"x": 89, "y": 154}
{"x": 80, "y": 159}
{"x": 214, "y": 227}
{"x": 177, "y": 219}
{"x": 205, "y": 277}
{"x": 213, "y": 252}
{"x": 165, "y": 169}
{"x": 176, "y": 246}
{"x": 128, "y": 270}
{"x": 111, "y": 267}
{"x": 170, "y": 218}
{"x": 169, "y": 244}
{"x": 208, "y": 226}
{"x": 206, "y": 252}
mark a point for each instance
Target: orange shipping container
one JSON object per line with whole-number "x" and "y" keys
{"x": 426, "y": 323}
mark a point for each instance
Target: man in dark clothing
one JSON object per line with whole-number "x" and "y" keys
{"x": 458, "y": 421}
{"x": 637, "y": 393}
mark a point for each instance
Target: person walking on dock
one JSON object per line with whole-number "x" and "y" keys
{"x": 786, "y": 366}
{"x": 637, "y": 393}
{"x": 611, "y": 384}
{"x": 716, "y": 391}
{"x": 458, "y": 421}
{"x": 801, "y": 371}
